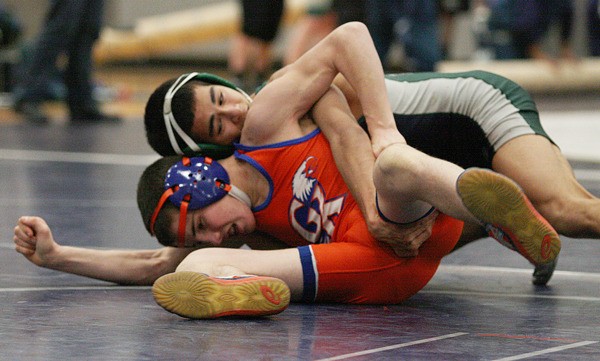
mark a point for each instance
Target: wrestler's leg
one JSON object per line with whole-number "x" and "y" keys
{"x": 470, "y": 232}
{"x": 404, "y": 177}
{"x": 409, "y": 182}
{"x": 548, "y": 180}
{"x": 224, "y": 262}
{"x": 217, "y": 282}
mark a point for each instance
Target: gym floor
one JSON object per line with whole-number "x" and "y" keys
{"x": 82, "y": 179}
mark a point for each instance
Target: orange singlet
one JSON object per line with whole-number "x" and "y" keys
{"x": 310, "y": 206}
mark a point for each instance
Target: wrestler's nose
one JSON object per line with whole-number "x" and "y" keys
{"x": 232, "y": 110}
{"x": 214, "y": 238}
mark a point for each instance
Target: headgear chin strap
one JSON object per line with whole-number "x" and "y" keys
{"x": 171, "y": 123}
{"x": 195, "y": 183}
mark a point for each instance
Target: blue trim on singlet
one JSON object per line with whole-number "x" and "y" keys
{"x": 399, "y": 223}
{"x": 262, "y": 171}
{"x": 248, "y": 159}
{"x": 309, "y": 293}
{"x": 248, "y": 148}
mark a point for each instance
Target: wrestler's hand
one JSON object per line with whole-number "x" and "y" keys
{"x": 404, "y": 240}
{"x": 33, "y": 239}
{"x": 382, "y": 139}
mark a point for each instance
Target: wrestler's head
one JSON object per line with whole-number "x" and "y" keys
{"x": 195, "y": 114}
{"x": 190, "y": 202}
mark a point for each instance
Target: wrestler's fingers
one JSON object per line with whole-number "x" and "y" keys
{"x": 405, "y": 253}
{"x": 414, "y": 244}
{"x": 26, "y": 242}
{"x": 23, "y": 233}
{"x": 405, "y": 250}
{"x": 27, "y": 223}
{"x": 30, "y": 222}
{"x": 24, "y": 249}
{"x": 38, "y": 226}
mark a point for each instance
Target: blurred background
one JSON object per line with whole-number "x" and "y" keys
{"x": 144, "y": 42}
{"x": 131, "y": 16}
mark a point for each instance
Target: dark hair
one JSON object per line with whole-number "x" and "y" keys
{"x": 150, "y": 188}
{"x": 183, "y": 104}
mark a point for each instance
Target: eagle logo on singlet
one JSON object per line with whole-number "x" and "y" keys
{"x": 311, "y": 214}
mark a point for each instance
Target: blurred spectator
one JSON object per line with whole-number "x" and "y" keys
{"x": 250, "y": 55}
{"x": 322, "y": 16}
{"x": 53, "y": 87}
{"x": 519, "y": 26}
{"x": 448, "y": 10}
{"x": 10, "y": 27}
{"x": 594, "y": 27}
{"x": 413, "y": 23}
{"x": 10, "y": 33}
{"x": 71, "y": 29}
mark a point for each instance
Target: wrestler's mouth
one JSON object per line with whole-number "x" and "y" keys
{"x": 233, "y": 230}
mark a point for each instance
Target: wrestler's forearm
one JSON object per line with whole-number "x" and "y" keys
{"x": 354, "y": 159}
{"x": 351, "y": 149}
{"x": 358, "y": 61}
{"x": 348, "y": 50}
{"x": 132, "y": 267}
{"x": 352, "y": 53}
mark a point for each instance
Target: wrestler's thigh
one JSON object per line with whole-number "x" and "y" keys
{"x": 283, "y": 264}
{"x": 538, "y": 167}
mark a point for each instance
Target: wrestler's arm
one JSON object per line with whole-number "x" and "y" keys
{"x": 33, "y": 239}
{"x": 350, "y": 95}
{"x": 354, "y": 160}
{"x": 351, "y": 149}
{"x": 359, "y": 65}
{"x": 293, "y": 90}
{"x": 284, "y": 264}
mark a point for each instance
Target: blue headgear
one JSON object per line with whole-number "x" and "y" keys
{"x": 171, "y": 123}
{"x": 195, "y": 183}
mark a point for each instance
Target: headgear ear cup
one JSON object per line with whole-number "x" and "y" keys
{"x": 195, "y": 183}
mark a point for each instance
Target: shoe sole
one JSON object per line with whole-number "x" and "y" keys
{"x": 198, "y": 296}
{"x": 497, "y": 200}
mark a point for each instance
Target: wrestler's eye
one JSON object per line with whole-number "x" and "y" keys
{"x": 221, "y": 99}
{"x": 200, "y": 225}
{"x": 197, "y": 228}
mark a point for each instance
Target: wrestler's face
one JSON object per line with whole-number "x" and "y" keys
{"x": 212, "y": 225}
{"x": 219, "y": 114}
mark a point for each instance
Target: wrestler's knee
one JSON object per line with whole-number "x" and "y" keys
{"x": 201, "y": 260}
{"x": 398, "y": 162}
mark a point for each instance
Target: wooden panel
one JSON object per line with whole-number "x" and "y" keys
{"x": 157, "y": 35}
{"x": 538, "y": 76}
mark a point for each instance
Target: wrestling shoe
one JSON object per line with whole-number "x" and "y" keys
{"x": 508, "y": 215}
{"x": 196, "y": 295}
{"x": 543, "y": 273}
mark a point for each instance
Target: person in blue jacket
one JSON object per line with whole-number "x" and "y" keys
{"x": 519, "y": 26}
